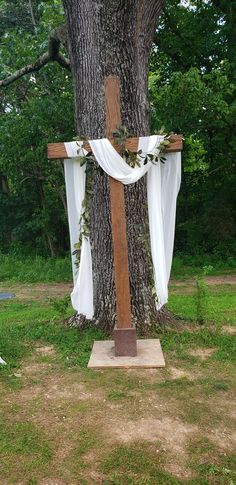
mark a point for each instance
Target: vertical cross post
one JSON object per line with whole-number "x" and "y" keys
{"x": 124, "y": 334}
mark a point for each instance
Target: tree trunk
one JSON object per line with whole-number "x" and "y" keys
{"x": 4, "y": 186}
{"x": 114, "y": 38}
{"x": 46, "y": 235}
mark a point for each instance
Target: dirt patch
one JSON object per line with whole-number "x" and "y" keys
{"x": 221, "y": 280}
{"x": 45, "y": 350}
{"x": 203, "y": 354}
{"x": 73, "y": 391}
{"x": 40, "y": 291}
{"x": 178, "y": 470}
{"x": 55, "y": 388}
{"x": 36, "y": 369}
{"x": 53, "y": 481}
{"x": 229, "y": 329}
{"x": 46, "y": 481}
{"x": 95, "y": 477}
{"x": 177, "y": 373}
{"x": 210, "y": 280}
{"x": 171, "y": 433}
{"x": 224, "y": 439}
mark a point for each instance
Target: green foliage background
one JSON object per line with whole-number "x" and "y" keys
{"x": 192, "y": 91}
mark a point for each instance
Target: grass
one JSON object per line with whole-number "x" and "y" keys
{"x": 45, "y": 270}
{"x": 186, "y": 266}
{"x": 26, "y": 440}
{"x": 137, "y": 464}
{"x": 34, "y": 270}
{"x": 220, "y": 305}
{"x": 22, "y": 324}
{"x": 224, "y": 344}
{"x": 62, "y": 421}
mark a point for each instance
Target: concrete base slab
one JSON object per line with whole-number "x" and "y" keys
{"x": 149, "y": 355}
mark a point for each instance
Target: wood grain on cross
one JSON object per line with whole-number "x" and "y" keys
{"x": 118, "y": 219}
{"x": 124, "y": 334}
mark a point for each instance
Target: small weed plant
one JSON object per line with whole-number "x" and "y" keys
{"x": 201, "y": 296}
{"x": 60, "y": 305}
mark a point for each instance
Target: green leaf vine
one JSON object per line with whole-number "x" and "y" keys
{"x": 134, "y": 158}
{"x": 84, "y": 223}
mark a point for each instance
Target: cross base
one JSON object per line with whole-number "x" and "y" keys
{"x": 149, "y": 355}
{"x": 125, "y": 342}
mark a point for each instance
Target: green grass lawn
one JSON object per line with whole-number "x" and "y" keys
{"x": 63, "y": 423}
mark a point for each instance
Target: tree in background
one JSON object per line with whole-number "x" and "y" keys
{"x": 34, "y": 110}
{"x": 193, "y": 80}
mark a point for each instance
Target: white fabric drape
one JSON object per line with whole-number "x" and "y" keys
{"x": 82, "y": 294}
{"x": 163, "y": 184}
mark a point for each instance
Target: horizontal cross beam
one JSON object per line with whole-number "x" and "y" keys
{"x": 58, "y": 150}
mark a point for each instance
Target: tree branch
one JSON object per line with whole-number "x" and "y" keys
{"x": 32, "y": 14}
{"x": 63, "y": 61}
{"x": 40, "y": 62}
{"x": 53, "y": 54}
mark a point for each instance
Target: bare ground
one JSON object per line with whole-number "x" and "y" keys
{"x": 58, "y": 290}
{"x": 36, "y": 291}
{"x": 64, "y": 404}
{"x": 210, "y": 280}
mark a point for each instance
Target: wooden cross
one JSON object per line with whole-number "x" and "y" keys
{"x": 124, "y": 333}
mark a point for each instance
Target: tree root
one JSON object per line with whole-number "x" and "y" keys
{"x": 163, "y": 318}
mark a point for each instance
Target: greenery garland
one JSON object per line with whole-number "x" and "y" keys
{"x": 131, "y": 158}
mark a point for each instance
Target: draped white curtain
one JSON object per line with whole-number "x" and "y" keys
{"x": 82, "y": 294}
{"x": 163, "y": 182}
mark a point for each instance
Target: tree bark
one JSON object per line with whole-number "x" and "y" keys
{"x": 45, "y": 233}
{"x": 31, "y": 9}
{"x": 114, "y": 38}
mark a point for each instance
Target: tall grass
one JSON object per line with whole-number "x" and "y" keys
{"x": 37, "y": 269}
{"x": 187, "y": 266}
{"x": 34, "y": 269}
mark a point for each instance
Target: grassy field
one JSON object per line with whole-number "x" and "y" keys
{"x": 38, "y": 269}
{"x": 61, "y": 423}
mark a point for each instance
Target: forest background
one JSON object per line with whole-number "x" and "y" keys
{"x": 192, "y": 91}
